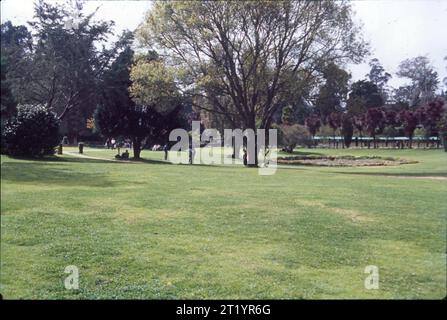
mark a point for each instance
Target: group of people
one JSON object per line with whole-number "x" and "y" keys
{"x": 111, "y": 143}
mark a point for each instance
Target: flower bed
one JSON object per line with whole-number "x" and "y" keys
{"x": 342, "y": 161}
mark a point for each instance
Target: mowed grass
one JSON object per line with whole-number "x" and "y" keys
{"x": 154, "y": 230}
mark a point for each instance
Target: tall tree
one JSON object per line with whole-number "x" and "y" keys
{"x": 424, "y": 80}
{"x": 333, "y": 92}
{"x": 363, "y": 96}
{"x": 119, "y": 115}
{"x": 66, "y": 60}
{"x": 16, "y": 42}
{"x": 153, "y": 84}
{"x": 251, "y": 52}
{"x": 379, "y": 77}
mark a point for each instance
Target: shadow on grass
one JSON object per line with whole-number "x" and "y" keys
{"x": 57, "y": 159}
{"x": 148, "y": 161}
{"x": 42, "y": 172}
{"x": 301, "y": 153}
{"x": 397, "y": 174}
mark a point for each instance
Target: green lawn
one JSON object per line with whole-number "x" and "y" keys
{"x": 154, "y": 230}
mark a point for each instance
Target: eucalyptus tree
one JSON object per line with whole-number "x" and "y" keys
{"x": 379, "y": 77}
{"x": 424, "y": 80}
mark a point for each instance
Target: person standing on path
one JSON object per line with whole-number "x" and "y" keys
{"x": 165, "y": 149}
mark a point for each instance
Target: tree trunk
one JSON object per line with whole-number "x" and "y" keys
{"x": 136, "y": 147}
{"x": 253, "y": 158}
{"x": 73, "y": 138}
{"x": 235, "y": 150}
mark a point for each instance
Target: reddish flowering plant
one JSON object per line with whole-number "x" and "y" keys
{"x": 375, "y": 122}
{"x": 313, "y": 124}
{"x": 430, "y": 115}
{"x": 409, "y": 121}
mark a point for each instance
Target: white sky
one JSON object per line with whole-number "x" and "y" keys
{"x": 396, "y": 29}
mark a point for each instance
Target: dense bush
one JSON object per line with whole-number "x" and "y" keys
{"x": 34, "y": 132}
{"x": 292, "y": 135}
{"x": 326, "y": 131}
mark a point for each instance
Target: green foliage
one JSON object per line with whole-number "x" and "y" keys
{"x": 34, "y": 132}
{"x": 117, "y": 113}
{"x": 287, "y": 116}
{"x": 293, "y": 135}
{"x": 61, "y": 68}
{"x": 391, "y": 131}
{"x": 8, "y": 103}
{"x": 363, "y": 96}
{"x": 153, "y": 84}
{"x": 15, "y": 43}
{"x": 225, "y": 49}
{"x": 327, "y": 131}
{"x": 379, "y": 77}
{"x": 419, "y": 132}
{"x": 334, "y": 91}
{"x": 424, "y": 80}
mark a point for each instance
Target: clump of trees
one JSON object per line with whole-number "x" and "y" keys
{"x": 68, "y": 66}
{"x": 247, "y": 59}
{"x": 246, "y": 65}
{"x": 136, "y": 113}
{"x": 372, "y": 108}
{"x": 375, "y": 120}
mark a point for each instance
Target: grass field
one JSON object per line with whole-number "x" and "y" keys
{"x": 154, "y": 230}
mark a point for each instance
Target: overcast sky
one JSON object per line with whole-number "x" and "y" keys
{"x": 396, "y": 29}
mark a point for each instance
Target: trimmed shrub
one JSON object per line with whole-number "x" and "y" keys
{"x": 33, "y": 133}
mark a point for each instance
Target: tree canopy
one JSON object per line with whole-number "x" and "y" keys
{"x": 424, "y": 80}
{"x": 251, "y": 52}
